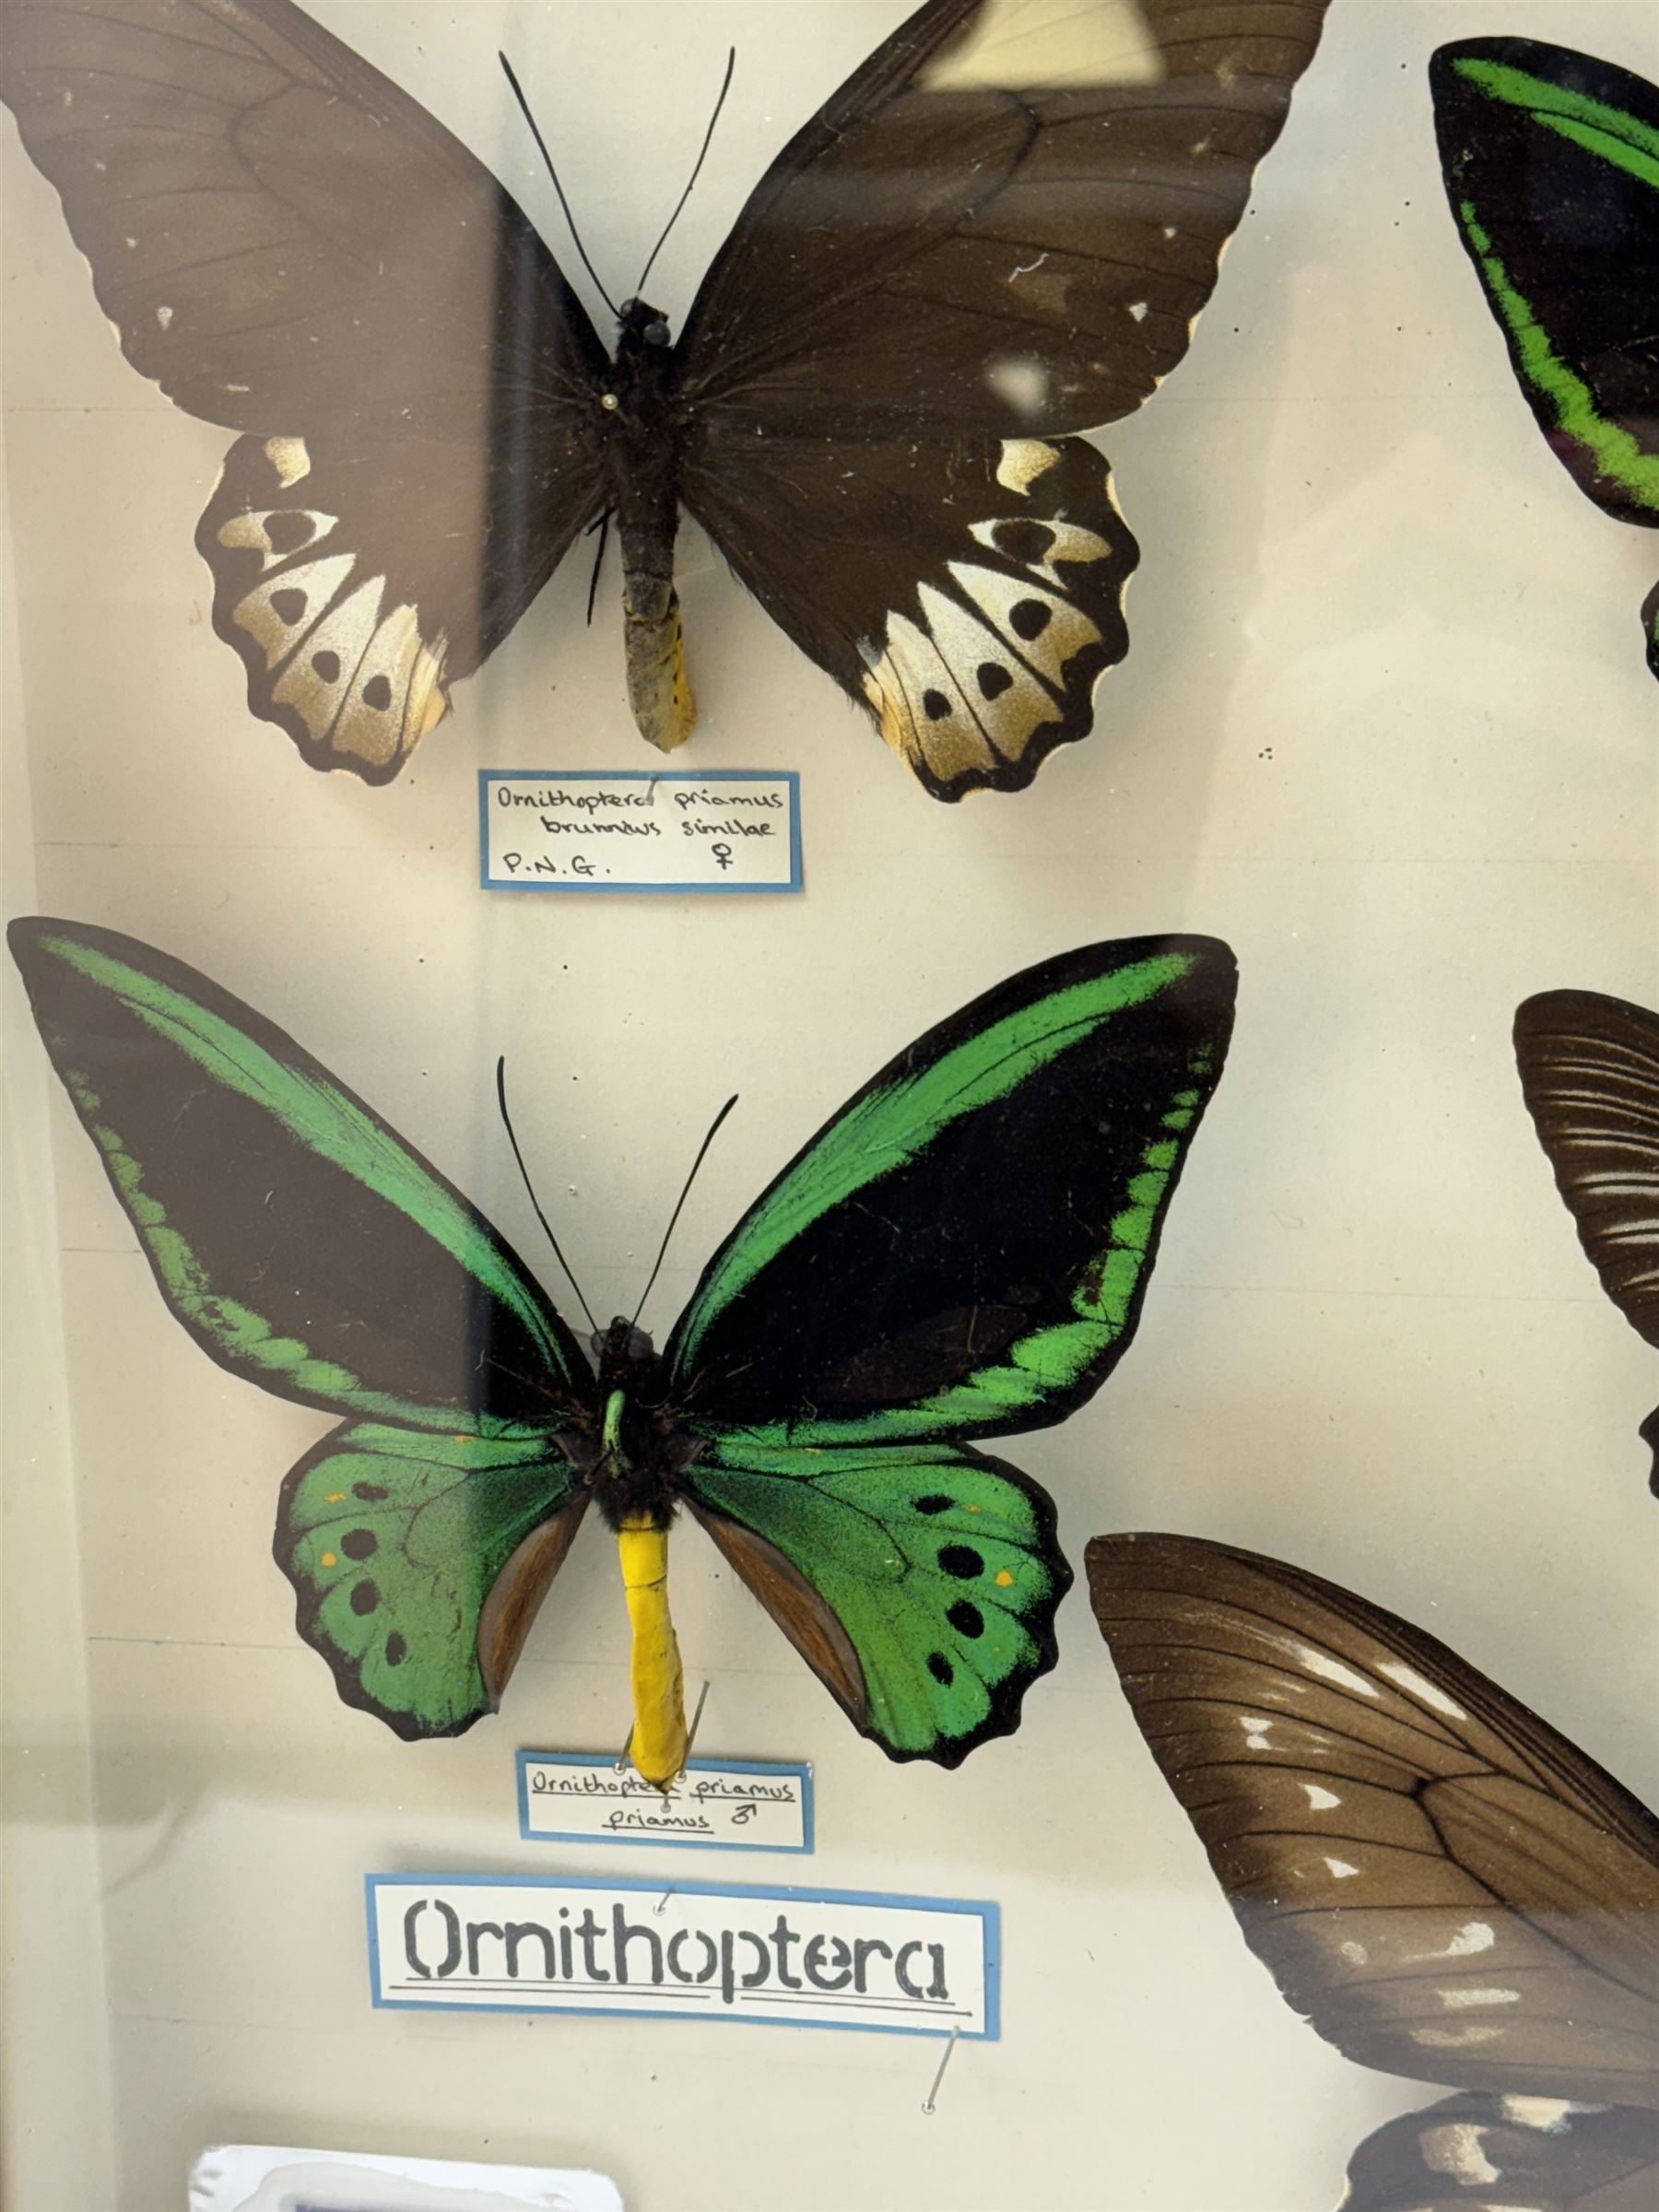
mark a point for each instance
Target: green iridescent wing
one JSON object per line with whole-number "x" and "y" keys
{"x": 305, "y": 1247}
{"x": 960, "y": 1253}
{"x": 418, "y": 1561}
{"x": 1551, "y": 164}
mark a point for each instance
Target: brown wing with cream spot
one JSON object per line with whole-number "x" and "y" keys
{"x": 1442, "y": 1885}
{"x": 969, "y": 594}
{"x": 290, "y": 246}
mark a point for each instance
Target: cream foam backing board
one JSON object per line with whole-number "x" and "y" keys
{"x": 1384, "y": 726}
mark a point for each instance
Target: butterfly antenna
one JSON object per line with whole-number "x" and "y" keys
{"x": 673, "y": 1219}
{"x": 536, "y": 1201}
{"x": 542, "y": 147}
{"x": 708, "y": 140}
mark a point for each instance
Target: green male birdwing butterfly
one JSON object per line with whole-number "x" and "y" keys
{"x": 961, "y": 1252}
{"x": 1551, "y": 164}
{"x": 1439, "y": 1883}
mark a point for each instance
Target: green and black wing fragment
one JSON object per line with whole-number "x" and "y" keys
{"x": 306, "y": 1248}
{"x": 1551, "y": 165}
{"x": 960, "y": 1253}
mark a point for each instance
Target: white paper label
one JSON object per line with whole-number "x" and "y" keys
{"x": 720, "y": 1804}
{"x": 736, "y": 830}
{"x": 488, "y": 1943}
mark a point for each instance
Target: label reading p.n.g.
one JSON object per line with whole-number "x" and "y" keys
{"x": 736, "y": 830}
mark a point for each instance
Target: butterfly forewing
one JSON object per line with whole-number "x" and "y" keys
{"x": 1551, "y": 164}
{"x": 987, "y": 1209}
{"x": 1509, "y": 2154}
{"x": 1445, "y": 1886}
{"x": 292, "y": 247}
{"x": 293, "y": 1233}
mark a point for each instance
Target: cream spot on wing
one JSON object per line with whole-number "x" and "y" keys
{"x": 1256, "y": 1727}
{"x": 1331, "y": 1670}
{"x": 1469, "y": 2000}
{"x": 1067, "y": 541}
{"x": 1023, "y": 461}
{"x": 1022, "y": 45}
{"x": 1473, "y": 1937}
{"x": 1340, "y": 1870}
{"x": 252, "y": 532}
{"x": 918, "y": 706}
{"x": 1426, "y": 1692}
{"x": 322, "y": 672}
{"x": 164, "y": 316}
{"x": 1045, "y": 632}
{"x": 1545, "y": 2115}
{"x": 1020, "y": 382}
{"x": 1455, "y": 2039}
{"x": 276, "y": 614}
{"x": 289, "y": 457}
{"x": 1008, "y": 702}
{"x": 1355, "y": 1953}
{"x": 1320, "y": 1801}
{"x": 1139, "y": 309}
{"x": 1455, "y": 2151}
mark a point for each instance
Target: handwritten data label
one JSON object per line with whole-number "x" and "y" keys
{"x": 722, "y": 1805}
{"x": 798, "y": 1957}
{"x": 738, "y": 831}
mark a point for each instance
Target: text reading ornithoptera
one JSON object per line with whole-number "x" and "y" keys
{"x": 919, "y": 1966}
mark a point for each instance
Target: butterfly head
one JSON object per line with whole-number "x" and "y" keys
{"x": 645, "y": 324}
{"x": 627, "y": 1357}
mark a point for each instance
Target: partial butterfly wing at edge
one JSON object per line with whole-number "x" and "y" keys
{"x": 292, "y": 247}
{"x": 1441, "y": 1883}
{"x": 997, "y": 233}
{"x": 1589, "y": 1068}
{"x": 1509, "y": 2154}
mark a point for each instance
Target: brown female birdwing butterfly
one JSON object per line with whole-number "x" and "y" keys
{"x": 1439, "y": 1883}
{"x": 996, "y": 234}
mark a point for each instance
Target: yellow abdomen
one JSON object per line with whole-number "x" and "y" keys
{"x": 658, "y": 1745}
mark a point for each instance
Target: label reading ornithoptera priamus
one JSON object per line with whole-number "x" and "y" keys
{"x": 797, "y": 1958}
{"x": 721, "y": 1804}
{"x": 735, "y": 830}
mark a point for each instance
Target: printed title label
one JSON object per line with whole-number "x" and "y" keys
{"x": 915, "y": 1966}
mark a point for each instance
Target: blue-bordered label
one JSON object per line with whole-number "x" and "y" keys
{"x": 686, "y": 1950}
{"x": 737, "y": 829}
{"x": 712, "y": 1803}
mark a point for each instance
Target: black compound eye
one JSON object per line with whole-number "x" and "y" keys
{"x": 656, "y": 333}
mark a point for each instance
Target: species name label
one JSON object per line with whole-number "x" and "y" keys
{"x": 689, "y": 1951}
{"x": 718, "y": 1805}
{"x": 738, "y": 831}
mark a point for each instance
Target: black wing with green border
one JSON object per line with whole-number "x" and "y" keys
{"x": 962, "y": 1252}
{"x": 1551, "y": 164}
{"x": 295, "y": 1235}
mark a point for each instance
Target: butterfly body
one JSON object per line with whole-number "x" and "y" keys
{"x": 632, "y": 1455}
{"x": 994, "y": 236}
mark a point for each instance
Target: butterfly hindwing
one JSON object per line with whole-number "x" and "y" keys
{"x": 292, "y": 247}
{"x": 298, "y": 1240}
{"x": 986, "y": 1210}
{"x": 398, "y": 1542}
{"x": 976, "y": 652}
{"x": 1509, "y": 2154}
{"x": 1440, "y": 1883}
{"x": 924, "y": 1586}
